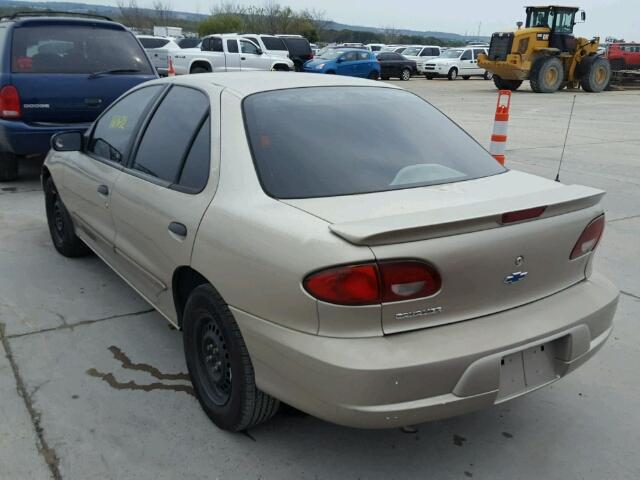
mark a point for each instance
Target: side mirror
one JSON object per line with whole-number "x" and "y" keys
{"x": 260, "y": 52}
{"x": 340, "y": 60}
{"x": 67, "y": 141}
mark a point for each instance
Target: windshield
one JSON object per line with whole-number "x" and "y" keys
{"x": 366, "y": 139}
{"x": 451, "y": 54}
{"x": 330, "y": 54}
{"x": 412, "y": 51}
{"x": 76, "y": 49}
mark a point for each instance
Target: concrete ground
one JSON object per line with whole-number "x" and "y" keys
{"x": 93, "y": 385}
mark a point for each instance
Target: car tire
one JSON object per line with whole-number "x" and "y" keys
{"x": 595, "y": 74}
{"x": 61, "y": 228}
{"x": 195, "y": 70}
{"x": 487, "y": 75}
{"x": 331, "y": 72}
{"x": 219, "y": 364}
{"x": 405, "y": 75}
{"x": 504, "y": 84}
{"x": 373, "y": 75}
{"x": 297, "y": 66}
{"x": 385, "y": 77}
{"x": 429, "y": 77}
{"x": 8, "y": 167}
{"x": 466, "y": 77}
{"x": 547, "y": 75}
{"x": 453, "y": 74}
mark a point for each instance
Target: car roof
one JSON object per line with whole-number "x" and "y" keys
{"x": 35, "y": 20}
{"x": 243, "y": 84}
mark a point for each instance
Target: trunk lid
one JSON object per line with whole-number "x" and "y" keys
{"x": 486, "y": 267}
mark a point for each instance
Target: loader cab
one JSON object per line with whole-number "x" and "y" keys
{"x": 560, "y": 22}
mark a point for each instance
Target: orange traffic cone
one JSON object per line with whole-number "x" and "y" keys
{"x": 171, "y": 72}
{"x": 499, "y": 137}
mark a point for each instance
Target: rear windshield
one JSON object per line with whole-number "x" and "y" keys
{"x": 153, "y": 42}
{"x": 298, "y": 46}
{"x": 188, "y": 42}
{"x": 273, "y": 43}
{"x": 330, "y": 141}
{"x": 75, "y": 49}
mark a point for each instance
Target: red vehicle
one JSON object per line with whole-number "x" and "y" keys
{"x": 624, "y": 56}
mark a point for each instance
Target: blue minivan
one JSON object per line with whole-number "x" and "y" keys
{"x": 59, "y": 73}
{"x": 345, "y": 61}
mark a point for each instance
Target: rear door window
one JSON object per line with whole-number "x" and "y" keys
{"x": 351, "y": 151}
{"x": 76, "y": 49}
{"x": 232, "y": 46}
{"x": 114, "y": 131}
{"x": 249, "y": 47}
{"x": 167, "y": 139}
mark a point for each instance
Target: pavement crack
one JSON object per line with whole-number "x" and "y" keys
{"x": 47, "y": 452}
{"x": 623, "y": 219}
{"x": 143, "y": 367}
{"x": 131, "y": 385}
{"x": 71, "y": 326}
{"x": 637, "y": 297}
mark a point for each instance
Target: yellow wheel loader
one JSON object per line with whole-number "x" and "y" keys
{"x": 546, "y": 53}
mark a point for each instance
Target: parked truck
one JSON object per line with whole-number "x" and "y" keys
{"x": 169, "y": 32}
{"x": 226, "y": 53}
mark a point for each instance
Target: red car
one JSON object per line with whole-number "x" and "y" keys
{"x": 624, "y": 56}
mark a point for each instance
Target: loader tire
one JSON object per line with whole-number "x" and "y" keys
{"x": 547, "y": 75}
{"x": 504, "y": 84}
{"x": 595, "y": 74}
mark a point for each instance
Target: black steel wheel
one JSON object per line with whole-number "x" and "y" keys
{"x": 60, "y": 224}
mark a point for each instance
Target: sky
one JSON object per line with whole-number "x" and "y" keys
{"x": 618, "y": 18}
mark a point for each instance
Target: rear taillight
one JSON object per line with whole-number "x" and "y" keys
{"x": 522, "y": 215}
{"x": 374, "y": 283}
{"x": 10, "y": 102}
{"x": 589, "y": 239}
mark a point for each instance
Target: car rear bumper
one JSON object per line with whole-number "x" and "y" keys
{"x": 424, "y": 375}
{"x": 31, "y": 139}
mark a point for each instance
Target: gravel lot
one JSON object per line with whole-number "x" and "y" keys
{"x": 93, "y": 384}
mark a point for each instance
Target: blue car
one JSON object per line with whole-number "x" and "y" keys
{"x": 345, "y": 61}
{"x": 59, "y": 73}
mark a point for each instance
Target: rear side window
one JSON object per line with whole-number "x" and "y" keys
{"x": 170, "y": 133}
{"x": 365, "y": 139}
{"x": 298, "y": 46}
{"x": 195, "y": 172}
{"x": 76, "y": 49}
{"x": 232, "y": 46}
{"x": 153, "y": 42}
{"x": 114, "y": 131}
{"x": 273, "y": 43}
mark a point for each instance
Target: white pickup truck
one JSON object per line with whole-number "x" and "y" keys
{"x": 226, "y": 53}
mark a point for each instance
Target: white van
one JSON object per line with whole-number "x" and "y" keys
{"x": 457, "y": 62}
{"x": 421, "y": 54}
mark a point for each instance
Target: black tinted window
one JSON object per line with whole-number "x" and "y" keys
{"x": 298, "y": 46}
{"x": 170, "y": 132}
{"x": 216, "y": 44}
{"x": 365, "y": 139}
{"x": 385, "y": 56}
{"x": 195, "y": 172}
{"x": 232, "y": 46}
{"x": 75, "y": 49}
{"x": 466, "y": 55}
{"x": 395, "y": 56}
{"x": 273, "y": 43}
{"x": 188, "y": 42}
{"x": 114, "y": 131}
{"x": 153, "y": 42}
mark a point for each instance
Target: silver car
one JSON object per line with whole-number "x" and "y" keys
{"x": 314, "y": 252}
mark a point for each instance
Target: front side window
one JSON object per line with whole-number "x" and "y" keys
{"x": 76, "y": 49}
{"x": 248, "y": 47}
{"x": 363, "y": 55}
{"x": 173, "y": 128}
{"x": 115, "y": 129}
{"x": 365, "y": 139}
{"x": 466, "y": 55}
{"x": 350, "y": 57}
{"x": 564, "y": 22}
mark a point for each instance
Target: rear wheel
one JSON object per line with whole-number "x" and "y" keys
{"x": 199, "y": 70}
{"x": 466, "y": 77}
{"x": 453, "y": 74}
{"x": 595, "y": 74}
{"x": 547, "y": 75}
{"x": 8, "y": 167}
{"x": 219, "y": 364}
{"x": 60, "y": 224}
{"x": 385, "y": 77}
{"x": 405, "y": 74}
{"x": 504, "y": 84}
{"x": 429, "y": 77}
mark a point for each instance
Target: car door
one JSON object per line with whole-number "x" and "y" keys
{"x": 466, "y": 66}
{"x": 386, "y": 64}
{"x": 347, "y": 64}
{"x": 363, "y": 63}
{"x": 232, "y": 55}
{"x": 251, "y": 57}
{"x": 476, "y": 70}
{"x": 162, "y": 194}
{"x": 90, "y": 174}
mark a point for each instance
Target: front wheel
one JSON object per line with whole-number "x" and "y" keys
{"x": 547, "y": 75}
{"x": 8, "y": 167}
{"x": 453, "y": 74}
{"x": 405, "y": 75}
{"x": 504, "y": 84}
{"x": 219, "y": 364}
{"x": 60, "y": 224}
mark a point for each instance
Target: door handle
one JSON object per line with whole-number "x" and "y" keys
{"x": 178, "y": 228}
{"x": 103, "y": 190}
{"x": 243, "y": 58}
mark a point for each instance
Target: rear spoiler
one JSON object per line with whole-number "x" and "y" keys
{"x": 449, "y": 221}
